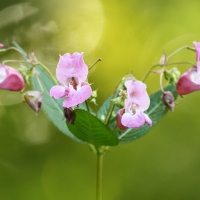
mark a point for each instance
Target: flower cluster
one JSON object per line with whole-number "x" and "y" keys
{"x": 72, "y": 72}
{"x": 137, "y": 101}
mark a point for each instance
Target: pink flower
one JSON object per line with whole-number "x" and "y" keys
{"x": 10, "y": 79}
{"x": 132, "y": 115}
{"x": 190, "y": 80}
{"x": 1, "y": 45}
{"x": 33, "y": 99}
{"x": 72, "y": 73}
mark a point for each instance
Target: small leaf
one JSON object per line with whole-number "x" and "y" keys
{"x": 90, "y": 129}
{"x": 156, "y": 111}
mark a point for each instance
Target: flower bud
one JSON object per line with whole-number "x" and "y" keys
{"x": 10, "y": 79}
{"x": 33, "y": 99}
{"x": 172, "y": 75}
{"x": 168, "y": 100}
{"x": 69, "y": 115}
{"x": 1, "y": 45}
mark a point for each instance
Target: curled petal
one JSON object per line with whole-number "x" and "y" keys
{"x": 188, "y": 82}
{"x": 58, "y": 91}
{"x": 76, "y": 97}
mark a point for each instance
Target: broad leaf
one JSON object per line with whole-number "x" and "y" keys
{"x": 156, "y": 111}
{"x": 90, "y": 129}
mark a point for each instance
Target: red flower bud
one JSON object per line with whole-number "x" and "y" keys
{"x": 33, "y": 99}
{"x": 10, "y": 79}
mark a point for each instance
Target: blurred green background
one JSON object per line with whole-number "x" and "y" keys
{"x": 39, "y": 162}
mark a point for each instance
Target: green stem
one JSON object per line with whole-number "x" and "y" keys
{"x": 16, "y": 49}
{"x": 99, "y": 59}
{"x": 99, "y": 176}
{"x": 47, "y": 70}
{"x": 15, "y": 61}
{"x": 184, "y": 47}
{"x": 149, "y": 71}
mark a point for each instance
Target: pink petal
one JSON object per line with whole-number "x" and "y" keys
{"x": 197, "y": 47}
{"x": 133, "y": 121}
{"x": 81, "y": 69}
{"x": 58, "y": 91}
{"x": 137, "y": 94}
{"x": 76, "y": 97}
{"x": 71, "y": 66}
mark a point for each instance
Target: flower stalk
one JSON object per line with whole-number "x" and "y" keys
{"x": 99, "y": 175}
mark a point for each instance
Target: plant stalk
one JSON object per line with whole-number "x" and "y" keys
{"x": 99, "y": 176}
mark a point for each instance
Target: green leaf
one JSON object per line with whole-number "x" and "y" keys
{"x": 90, "y": 129}
{"x": 156, "y": 111}
{"x": 52, "y": 107}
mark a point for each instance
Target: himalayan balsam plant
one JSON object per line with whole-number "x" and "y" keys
{"x": 126, "y": 115}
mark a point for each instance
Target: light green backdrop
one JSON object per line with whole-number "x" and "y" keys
{"x": 39, "y": 162}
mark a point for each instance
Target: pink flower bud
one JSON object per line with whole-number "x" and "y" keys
{"x": 168, "y": 100}
{"x": 1, "y": 45}
{"x": 10, "y": 79}
{"x": 33, "y": 99}
{"x": 189, "y": 81}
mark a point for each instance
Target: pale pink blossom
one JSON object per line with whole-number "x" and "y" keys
{"x": 132, "y": 115}
{"x": 72, "y": 73}
{"x": 10, "y": 79}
